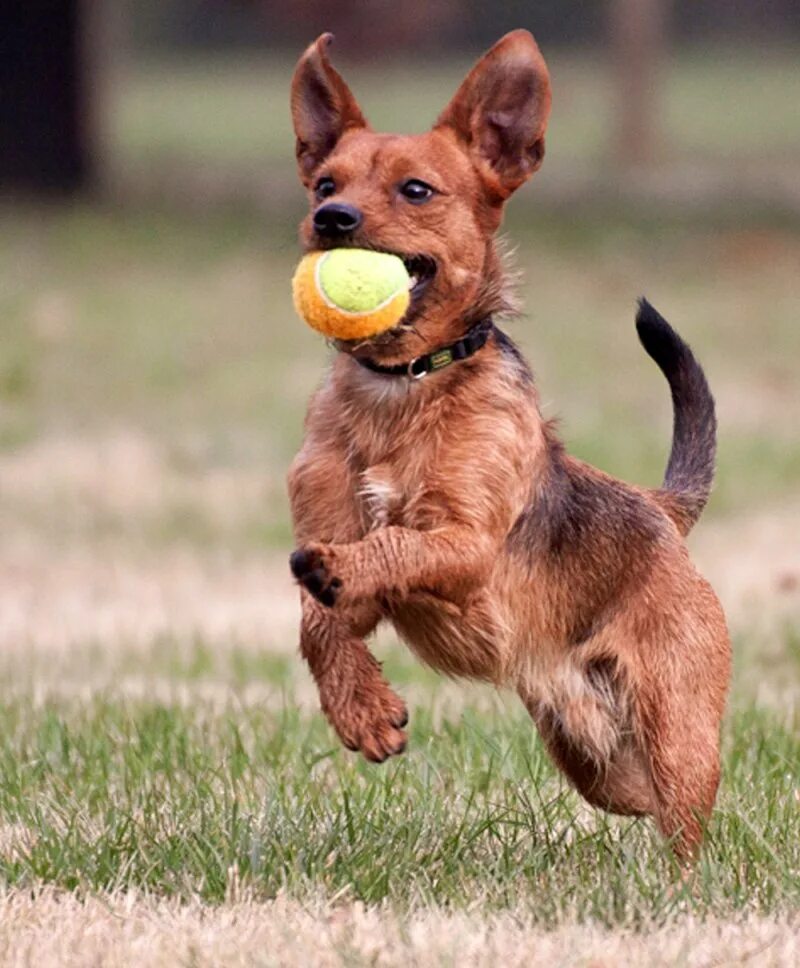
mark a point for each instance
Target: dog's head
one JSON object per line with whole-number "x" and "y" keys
{"x": 435, "y": 199}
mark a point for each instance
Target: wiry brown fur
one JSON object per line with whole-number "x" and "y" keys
{"x": 448, "y": 507}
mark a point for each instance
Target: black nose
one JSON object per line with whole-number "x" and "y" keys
{"x": 337, "y": 218}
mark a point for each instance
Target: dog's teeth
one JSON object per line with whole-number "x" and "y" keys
{"x": 412, "y": 281}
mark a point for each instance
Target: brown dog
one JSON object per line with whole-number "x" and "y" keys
{"x": 447, "y": 505}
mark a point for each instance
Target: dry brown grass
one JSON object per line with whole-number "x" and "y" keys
{"x": 56, "y": 930}
{"x": 753, "y": 562}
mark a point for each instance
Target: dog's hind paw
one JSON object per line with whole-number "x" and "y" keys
{"x": 311, "y": 570}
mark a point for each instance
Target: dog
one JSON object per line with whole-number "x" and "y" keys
{"x": 430, "y": 492}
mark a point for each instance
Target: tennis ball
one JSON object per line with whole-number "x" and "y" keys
{"x": 351, "y": 293}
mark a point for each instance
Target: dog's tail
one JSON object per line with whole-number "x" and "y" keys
{"x": 690, "y": 471}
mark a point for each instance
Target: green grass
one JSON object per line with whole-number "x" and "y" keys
{"x": 103, "y": 790}
{"x": 114, "y": 794}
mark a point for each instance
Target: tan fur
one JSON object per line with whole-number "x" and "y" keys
{"x": 447, "y": 506}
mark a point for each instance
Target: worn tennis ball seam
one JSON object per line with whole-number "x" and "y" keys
{"x": 348, "y": 312}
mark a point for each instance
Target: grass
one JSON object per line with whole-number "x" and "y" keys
{"x": 195, "y": 767}
{"x": 114, "y": 794}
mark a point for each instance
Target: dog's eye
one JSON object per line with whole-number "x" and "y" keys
{"x": 416, "y": 191}
{"x": 324, "y": 188}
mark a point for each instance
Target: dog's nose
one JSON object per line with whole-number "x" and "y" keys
{"x": 337, "y": 218}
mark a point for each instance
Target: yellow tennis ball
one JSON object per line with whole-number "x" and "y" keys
{"x": 351, "y": 293}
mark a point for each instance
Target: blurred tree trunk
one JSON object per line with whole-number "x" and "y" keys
{"x": 48, "y": 132}
{"x": 637, "y": 45}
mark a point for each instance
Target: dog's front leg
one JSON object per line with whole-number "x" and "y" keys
{"x": 393, "y": 561}
{"x": 359, "y": 704}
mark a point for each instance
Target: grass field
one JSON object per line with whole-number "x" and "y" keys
{"x": 169, "y": 792}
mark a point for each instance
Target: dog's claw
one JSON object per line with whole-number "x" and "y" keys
{"x": 383, "y": 745}
{"x": 386, "y": 738}
{"x": 376, "y": 757}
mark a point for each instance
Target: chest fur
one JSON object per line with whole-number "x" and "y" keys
{"x": 380, "y": 497}
{"x": 404, "y": 496}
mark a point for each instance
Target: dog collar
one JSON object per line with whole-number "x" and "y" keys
{"x": 469, "y": 344}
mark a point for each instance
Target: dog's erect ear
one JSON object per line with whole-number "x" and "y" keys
{"x": 500, "y": 112}
{"x": 323, "y": 107}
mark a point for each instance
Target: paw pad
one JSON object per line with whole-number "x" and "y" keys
{"x": 309, "y": 568}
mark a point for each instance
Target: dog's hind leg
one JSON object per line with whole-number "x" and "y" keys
{"x": 366, "y": 713}
{"x": 619, "y": 783}
{"x": 681, "y": 742}
{"x": 677, "y": 711}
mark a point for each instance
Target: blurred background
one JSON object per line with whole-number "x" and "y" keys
{"x": 153, "y": 376}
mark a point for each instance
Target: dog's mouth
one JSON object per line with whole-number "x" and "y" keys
{"x": 421, "y": 270}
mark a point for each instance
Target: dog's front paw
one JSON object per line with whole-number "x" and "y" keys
{"x": 373, "y": 719}
{"x": 312, "y": 567}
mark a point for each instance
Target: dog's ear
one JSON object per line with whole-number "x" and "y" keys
{"x": 500, "y": 112}
{"x": 323, "y": 107}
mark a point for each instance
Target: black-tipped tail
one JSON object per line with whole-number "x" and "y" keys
{"x": 690, "y": 471}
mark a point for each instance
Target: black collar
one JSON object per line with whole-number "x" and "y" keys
{"x": 475, "y": 338}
